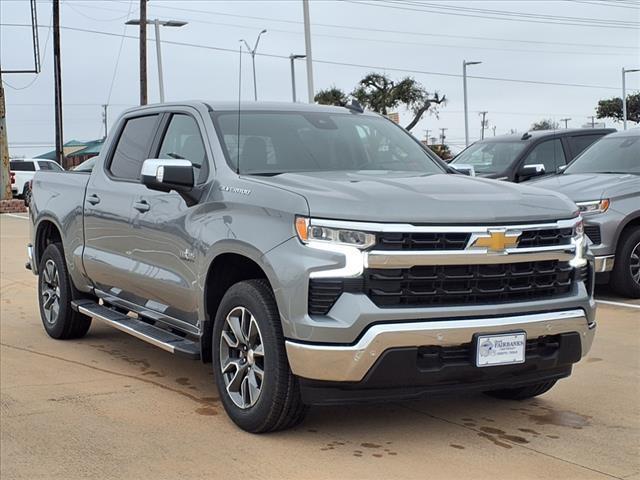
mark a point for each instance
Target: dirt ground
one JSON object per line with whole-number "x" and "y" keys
{"x": 111, "y": 406}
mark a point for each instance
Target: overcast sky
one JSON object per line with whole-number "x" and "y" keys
{"x": 397, "y": 37}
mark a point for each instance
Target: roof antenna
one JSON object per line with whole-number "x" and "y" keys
{"x": 239, "y": 99}
{"x": 354, "y": 106}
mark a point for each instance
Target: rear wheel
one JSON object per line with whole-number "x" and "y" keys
{"x": 522, "y": 393}
{"x": 26, "y": 195}
{"x": 54, "y": 297}
{"x": 250, "y": 365}
{"x": 625, "y": 277}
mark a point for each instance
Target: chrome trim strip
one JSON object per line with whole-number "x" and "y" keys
{"x": 409, "y": 228}
{"x": 350, "y": 363}
{"x": 481, "y": 256}
{"x": 604, "y": 263}
{"x": 125, "y": 328}
{"x": 31, "y": 259}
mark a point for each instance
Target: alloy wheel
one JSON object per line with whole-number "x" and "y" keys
{"x": 634, "y": 263}
{"x": 50, "y": 293}
{"x": 242, "y": 357}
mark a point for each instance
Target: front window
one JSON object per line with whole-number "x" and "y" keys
{"x": 490, "y": 157}
{"x": 279, "y": 142}
{"x": 609, "y": 155}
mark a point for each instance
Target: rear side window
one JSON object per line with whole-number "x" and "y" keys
{"x": 49, "y": 166}
{"x": 581, "y": 142}
{"x": 133, "y": 147}
{"x": 22, "y": 166}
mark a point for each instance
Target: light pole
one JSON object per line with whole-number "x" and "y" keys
{"x": 466, "y": 108}
{"x": 307, "y": 45}
{"x": 566, "y": 122}
{"x": 253, "y": 61}
{"x": 292, "y": 58}
{"x": 157, "y": 24}
{"x": 624, "y": 94}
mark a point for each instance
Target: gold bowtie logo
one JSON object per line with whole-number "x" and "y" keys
{"x": 496, "y": 241}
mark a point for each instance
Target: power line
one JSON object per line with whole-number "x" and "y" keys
{"x": 75, "y": 9}
{"x": 115, "y": 68}
{"x": 460, "y": 13}
{"x": 604, "y": 4}
{"x": 347, "y": 64}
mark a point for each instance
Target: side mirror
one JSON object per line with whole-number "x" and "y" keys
{"x": 464, "y": 169}
{"x": 529, "y": 171}
{"x": 562, "y": 168}
{"x": 167, "y": 174}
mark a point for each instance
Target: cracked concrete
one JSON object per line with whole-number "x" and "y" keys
{"x": 111, "y": 406}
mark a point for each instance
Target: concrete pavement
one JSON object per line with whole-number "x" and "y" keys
{"x": 111, "y": 406}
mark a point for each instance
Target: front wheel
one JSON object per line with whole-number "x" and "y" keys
{"x": 54, "y": 297}
{"x": 625, "y": 277}
{"x": 522, "y": 393}
{"x": 257, "y": 388}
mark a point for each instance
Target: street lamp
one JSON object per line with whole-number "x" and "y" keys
{"x": 157, "y": 24}
{"x": 292, "y": 58}
{"x": 466, "y": 108}
{"x": 624, "y": 94}
{"x": 253, "y": 61}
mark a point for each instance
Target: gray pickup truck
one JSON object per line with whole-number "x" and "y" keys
{"x": 314, "y": 255}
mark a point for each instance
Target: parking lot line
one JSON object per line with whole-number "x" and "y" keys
{"x": 619, "y": 304}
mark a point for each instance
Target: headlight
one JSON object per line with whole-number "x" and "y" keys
{"x": 593, "y": 206}
{"x": 336, "y": 236}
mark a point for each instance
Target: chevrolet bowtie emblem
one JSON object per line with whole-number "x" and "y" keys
{"x": 495, "y": 240}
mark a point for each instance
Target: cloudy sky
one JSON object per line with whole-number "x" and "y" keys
{"x": 541, "y": 59}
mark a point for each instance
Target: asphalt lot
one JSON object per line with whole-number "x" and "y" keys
{"x": 111, "y": 406}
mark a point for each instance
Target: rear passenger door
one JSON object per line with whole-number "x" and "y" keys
{"x": 109, "y": 236}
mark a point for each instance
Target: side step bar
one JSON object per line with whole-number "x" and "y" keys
{"x": 155, "y": 336}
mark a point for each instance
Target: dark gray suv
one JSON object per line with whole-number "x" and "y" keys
{"x": 519, "y": 157}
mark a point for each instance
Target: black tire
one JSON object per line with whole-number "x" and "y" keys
{"x": 522, "y": 393}
{"x": 26, "y": 195}
{"x": 279, "y": 404}
{"x": 626, "y": 263}
{"x": 66, "y": 323}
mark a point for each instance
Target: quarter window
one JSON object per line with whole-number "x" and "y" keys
{"x": 549, "y": 153}
{"x": 133, "y": 147}
{"x": 183, "y": 141}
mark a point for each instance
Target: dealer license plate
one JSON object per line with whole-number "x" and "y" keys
{"x": 501, "y": 349}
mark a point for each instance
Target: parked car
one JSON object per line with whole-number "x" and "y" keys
{"x": 22, "y": 172}
{"x": 605, "y": 183}
{"x": 86, "y": 166}
{"x": 520, "y": 157}
{"x": 314, "y": 255}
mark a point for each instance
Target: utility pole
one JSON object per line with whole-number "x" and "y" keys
{"x": 307, "y": 44}
{"x": 466, "y": 106}
{"x": 593, "y": 121}
{"x": 253, "y": 61}
{"x": 624, "y": 94}
{"x": 483, "y": 124}
{"x": 426, "y": 135}
{"x": 143, "y": 52}
{"x": 566, "y": 122}
{"x": 5, "y": 192}
{"x": 494, "y": 130}
{"x": 442, "y": 136}
{"x": 57, "y": 84}
{"x": 104, "y": 119}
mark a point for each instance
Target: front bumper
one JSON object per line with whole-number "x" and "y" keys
{"x": 351, "y": 363}
{"x": 604, "y": 263}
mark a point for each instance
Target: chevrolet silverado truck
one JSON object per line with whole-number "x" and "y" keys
{"x": 314, "y": 255}
{"x": 605, "y": 184}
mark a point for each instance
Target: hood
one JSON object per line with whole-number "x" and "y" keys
{"x": 394, "y": 197}
{"x": 581, "y": 187}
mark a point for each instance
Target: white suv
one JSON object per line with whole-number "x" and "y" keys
{"x": 22, "y": 172}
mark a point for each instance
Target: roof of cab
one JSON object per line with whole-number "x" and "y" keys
{"x": 535, "y": 134}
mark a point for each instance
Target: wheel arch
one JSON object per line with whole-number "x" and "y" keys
{"x": 47, "y": 232}
{"x": 630, "y": 221}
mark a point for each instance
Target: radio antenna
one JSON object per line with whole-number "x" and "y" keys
{"x": 239, "y": 99}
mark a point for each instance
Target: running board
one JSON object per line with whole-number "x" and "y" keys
{"x": 155, "y": 336}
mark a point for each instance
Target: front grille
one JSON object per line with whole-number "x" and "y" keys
{"x": 435, "y": 357}
{"x": 422, "y": 241}
{"x": 545, "y": 238}
{"x": 593, "y": 232}
{"x": 467, "y": 284}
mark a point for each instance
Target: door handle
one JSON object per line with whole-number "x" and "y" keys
{"x": 142, "y": 206}
{"x": 93, "y": 199}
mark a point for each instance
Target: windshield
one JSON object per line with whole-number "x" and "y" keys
{"x": 609, "y": 155}
{"x": 279, "y": 142}
{"x": 490, "y": 157}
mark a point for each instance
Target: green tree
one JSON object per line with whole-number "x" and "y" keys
{"x": 545, "y": 124}
{"x": 331, "y": 96}
{"x": 612, "y": 108}
{"x": 379, "y": 93}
